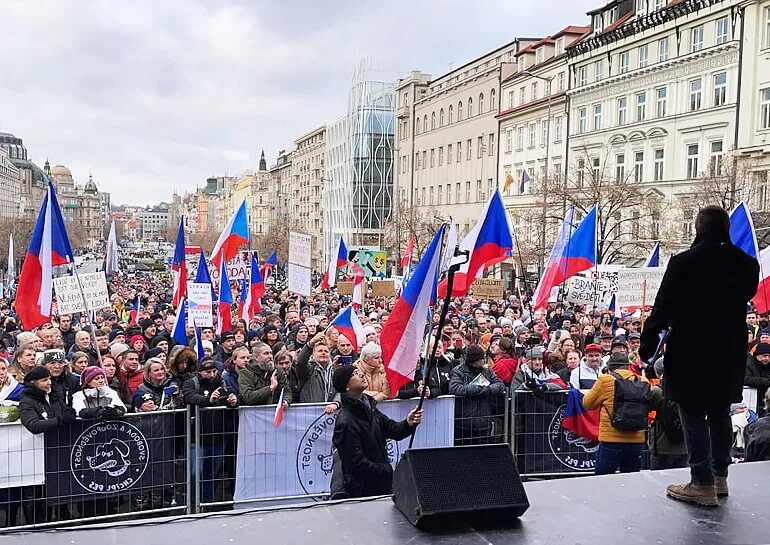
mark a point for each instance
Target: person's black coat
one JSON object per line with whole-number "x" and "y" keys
{"x": 702, "y": 298}
{"x": 758, "y": 440}
{"x": 757, "y": 376}
{"x": 476, "y": 405}
{"x": 360, "y": 435}
{"x": 65, "y": 385}
{"x": 215, "y": 425}
{"x": 438, "y": 381}
{"x": 39, "y": 414}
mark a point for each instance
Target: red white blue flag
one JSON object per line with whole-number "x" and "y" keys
{"x": 234, "y": 235}
{"x": 579, "y": 420}
{"x": 179, "y": 267}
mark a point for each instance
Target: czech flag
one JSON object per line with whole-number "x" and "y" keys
{"x": 579, "y": 420}
{"x": 489, "y": 243}
{"x": 199, "y": 345}
{"x": 278, "y": 417}
{"x": 742, "y": 232}
{"x": 348, "y": 324}
{"x": 179, "y": 266}
{"x": 256, "y": 288}
{"x": 48, "y": 247}
{"x": 267, "y": 267}
{"x": 224, "y": 306}
{"x": 653, "y": 260}
{"x": 203, "y": 276}
{"x": 338, "y": 260}
{"x": 403, "y": 334}
{"x": 235, "y": 235}
{"x": 243, "y": 309}
{"x": 408, "y": 257}
{"x": 133, "y": 315}
{"x": 179, "y": 333}
{"x": 570, "y": 255}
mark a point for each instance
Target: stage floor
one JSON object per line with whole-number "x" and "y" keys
{"x": 617, "y": 509}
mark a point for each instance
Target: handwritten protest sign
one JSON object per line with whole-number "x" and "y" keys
{"x": 68, "y": 296}
{"x": 588, "y": 291}
{"x": 632, "y": 288}
{"x": 199, "y": 304}
{"x": 488, "y": 288}
{"x": 300, "y": 246}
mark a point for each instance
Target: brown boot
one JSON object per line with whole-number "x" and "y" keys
{"x": 720, "y": 484}
{"x": 700, "y": 494}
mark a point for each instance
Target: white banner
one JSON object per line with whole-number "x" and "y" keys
{"x": 608, "y": 273}
{"x": 22, "y": 456}
{"x": 68, "y": 296}
{"x": 637, "y": 284}
{"x": 199, "y": 304}
{"x": 236, "y": 268}
{"x": 300, "y": 247}
{"x": 295, "y": 460}
{"x": 587, "y": 291}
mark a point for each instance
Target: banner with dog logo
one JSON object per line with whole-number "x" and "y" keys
{"x": 88, "y": 460}
{"x": 294, "y": 461}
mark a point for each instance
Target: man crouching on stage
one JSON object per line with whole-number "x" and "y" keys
{"x": 360, "y": 434}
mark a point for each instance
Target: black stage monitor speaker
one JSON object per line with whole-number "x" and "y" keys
{"x": 436, "y": 485}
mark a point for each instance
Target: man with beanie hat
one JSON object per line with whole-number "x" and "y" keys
{"x": 360, "y": 435}
{"x": 480, "y": 393}
{"x": 758, "y": 373}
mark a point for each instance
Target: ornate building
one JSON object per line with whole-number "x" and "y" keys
{"x": 33, "y": 179}
{"x": 84, "y": 208}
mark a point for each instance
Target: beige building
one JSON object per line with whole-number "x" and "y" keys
{"x": 308, "y": 175}
{"x": 10, "y": 188}
{"x": 280, "y": 186}
{"x": 82, "y": 206}
{"x": 254, "y": 189}
{"x": 446, "y": 137}
{"x": 33, "y": 179}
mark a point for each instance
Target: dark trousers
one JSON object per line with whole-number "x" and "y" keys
{"x": 611, "y": 457}
{"x": 708, "y": 436}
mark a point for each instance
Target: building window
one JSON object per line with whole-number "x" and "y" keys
{"x": 479, "y": 193}
{"x": 558, "y": 129}
{"x": 422, "y": 202}
{"x": 641, "y": 7}
{"x": 457, "y": 193}
{"x": 539, "y": 55}
{"x": 544, "y": 133}
{"x": 417, "y": 126}
{"x": 451, "y": 114}
{"x": 660, "y": 105}
{"x": 430, "y": 193}
{"x": 520, "y": 138}
{"x": 470, "y": 108}
{"x": 596, "y": 170}
{"x": 441, "y": 156}
{"x": 441, "y": 117}
{"x": 449, "y": 193}
{"x": 692, "y": 161}
{"x": 511, "y": 99}
{"x": 767, "y": 26}
{"x": 639, "y": 167}
{"x": 582, "y": 121}
{"x": 696, "y": 38}
{"x": 440, "y": 195}
{"x": 560, "y": 81}
{"x": 481, "y": 103}
{"x": 459, "y": 151}
{"x": 622, "y": 109}
{"x": 532, "y": 135}
{"x": 764, "y": 108}
{"x": 424, "y": 160}
{"x": 522, "y": 95}
{"x": 641, "y": 106}
{"x": 663, "y": 49}
{"x": 660, "y": 4}
{"x": 425, "y": 123}
{"x": 716, "y": 158}
{"x": 467, "y": 192}
{"x": 493, "y": 100}
{"x": 432, "y": 120}
{"x": 643, "y": 56}
{"x": 620, "y": 168}
{"x": 508, "y": 140}
{"x": 624, "y": 62}
{"x": 534, "y": 91}
{"x": 469, "y": 149}
{"x": 480, "y": 147}
{"x": 722, "y": 30}
{"x": 696, "y": 94}
{"x": 582, "y": 75}
{"x": 598, "y": 70}
{"x": 720, "y": 89}
{"x": 491, "y": 144}
{"x": 449, "y": 154}
{"x": 597, "y": 117}
{"x": 658, "y": 166}
{"x": 559, "y": 46}
{"x": 459, "y": 111}
{"x": 433, "y": 158}
{"x": 581, "y": 172}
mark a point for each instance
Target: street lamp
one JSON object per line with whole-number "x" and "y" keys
{"x": 541, "y": 262}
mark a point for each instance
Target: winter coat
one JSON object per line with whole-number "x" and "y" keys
{"x": 65, "y": 386}
{"x": 438, "y": 381}
{"x": 602, "y": 396}
{"x": 525, "y": 376}
{"x": 215, "y": 426}
{"x": 68, "y": 338}
{"x": 658, "y": 440}
{"x": 131, "y": 381}
{"x": 230, "y": 378}
{"x": 505, "y": 367}
{"x": 583, "y": 377}
{"x": 715, "y": 266}
{"x": 360, "y": 435}
{"x": 254, "y": 386}
{"x": 316, "y": 379}
{"x": 757, "y": 436}
{"x": 478, "y": 403}
{"x": 757, "y": 376}
{"x": 90, "y": 403}
{"x": 377, "y": 380}
{"x": 163, "y": 401}
{"x": 41, "y": 412}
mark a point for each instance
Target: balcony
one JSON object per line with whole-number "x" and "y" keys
{"x": 403, "y": 112}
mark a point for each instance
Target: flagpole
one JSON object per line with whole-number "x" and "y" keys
{"x": 453, "y": 268}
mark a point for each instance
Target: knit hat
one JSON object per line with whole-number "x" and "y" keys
{"x": 158, "y": 339}
{"x": 53, "y": 355}
{"x": 117, "y": 349}
{"x": 634, "y": 336}
{"x": 762, "y": 348}
{"x": 114, "y": 333}
{"x": 229, "y": 336}
{"x": 140, "y": 397}
{"x": 534, "y": 352}
{"x": 617, "y": 360}
{"x": 207, "y": 364}
{"x": 205, "y": 343}
{"x": 520, "y": 329}
{"x": 89, "y": 374}
{"x": 11, "y": 326}
{"x": 153, "y": 352}
{"x": 619, "y": 341}
{"x": 136, "y": 338}
{"x": 659, "y": 367}
{"x": 506, "y": 321}
{"x": 473, "y": 354}
{"x": 593, "y": 347}
{"x": 36, "y": 373}
{"x": 146, "y": 323}
{"x": 341, "y": 377}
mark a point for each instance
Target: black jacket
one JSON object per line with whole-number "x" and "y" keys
{"x": 360, "y": 435}
{"x": 758, "y": 440}
{"x": 438, "y": 381}
{"x": 40, "y": 414}
{"x": 476, "y": 403}
{"x": 215, "y": 425}
{"x": 65, "y": 386}
{"x": 695, "y": 363}
{"x": 757, "y": 376}
{"x": 68, "y": 338}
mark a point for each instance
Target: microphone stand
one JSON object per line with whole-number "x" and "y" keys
{"x": 453, "y": 268}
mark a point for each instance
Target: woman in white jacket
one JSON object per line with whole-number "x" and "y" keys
{"x": 96, "y": 400}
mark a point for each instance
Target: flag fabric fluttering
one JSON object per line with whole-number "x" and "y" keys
{"x": 243, "y": 308}
{"x": 179, "y": 267}
{"x": 111, "y": 257}
{"x": 579, "y": 420}
{"x": 256, "y": 288}
{"x": 179, "y": 333}
{"x": 408, "y": 257}
{"x": 571, "y": 254}
{"x": 402, "y": 335}
{"x": 508, "y": 182}
{"x": 488, "y": 243}
{"x": 48, "y": 247}
{"x": 199, "y": 344}
{"x": 133, "y": 315}
{"x": 234, "y": 235}
{"x": 653, "y": 260}
{"x": 762, "y": 298}
{"x": 268, "y": 267}
{"x": 524, "y": 180}
{"x": 338, "y": 260}
{"x": 742, "y": 231}
{"x": 348, "y": 324}
{"x": 224, "y": 305}
{"x": 278, "y": 416}
{"x": 202, "y": 275}
{"x": 10, "y": 272}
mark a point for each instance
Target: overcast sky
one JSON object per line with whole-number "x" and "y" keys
{"x": 158, "y": 95}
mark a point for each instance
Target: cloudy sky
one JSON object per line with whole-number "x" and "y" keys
{"x": 158, "y": 95}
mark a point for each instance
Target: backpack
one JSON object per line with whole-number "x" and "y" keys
{"x": 631, "y": 404}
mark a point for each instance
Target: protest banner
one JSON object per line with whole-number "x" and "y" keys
{"x": 372, "y": 260}
{"x": 637, "y": 285}
{"x": 300, "y": 247}
{"x": 344, "y": 288}
{"x": 608, "y": 273}
{"x": 68, "y": 295}
{"x": 383, "y": 288}
{"x": 589, "y": 291}
{"x": 487, "y": 288}
{"x": 199, "y": 304}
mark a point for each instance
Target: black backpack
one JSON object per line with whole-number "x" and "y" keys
{"x": 631, "y": 402}
{"x": 668, "y": 417}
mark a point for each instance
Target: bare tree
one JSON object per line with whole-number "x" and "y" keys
{"x": 407, "y": 220}
{"x": 725, "y": 182}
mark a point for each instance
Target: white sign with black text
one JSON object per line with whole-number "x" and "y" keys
{"x": 68, "y": 294}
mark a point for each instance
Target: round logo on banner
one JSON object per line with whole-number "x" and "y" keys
{"x": 109, "y": 457}
{"x": 573, "y": 451}
{"x": 315, "y": 456}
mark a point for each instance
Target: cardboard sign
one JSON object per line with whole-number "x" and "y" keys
{"x": 383, "y": 288}
{"x": 68, "y": 297}
{"x": 488, "y": 288}
{"x": 300, "y": 247}
{"x": 199, "y": 304}
{"x": 589, "y": 291}
{"x": 345, "y": 288}
{"x": 632, "y": 288}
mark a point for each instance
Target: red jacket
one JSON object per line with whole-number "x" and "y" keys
{"x": 505, "y": 367}
{"x": 131, "y": 381}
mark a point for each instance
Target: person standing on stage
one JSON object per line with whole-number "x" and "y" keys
{"x": 713, "y": 278}
{"x": 360, "y": 435}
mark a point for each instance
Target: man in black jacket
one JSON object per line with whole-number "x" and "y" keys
{"x": 360, "y": 434}
{"x": 713, "y": 266}
{"x": 758, "y": 373}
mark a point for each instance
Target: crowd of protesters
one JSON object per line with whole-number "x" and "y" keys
{"x": 69, "y": 368}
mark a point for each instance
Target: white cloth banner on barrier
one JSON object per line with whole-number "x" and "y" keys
{"x": 22, "y": 456}
{"x": 295, "y": 460}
